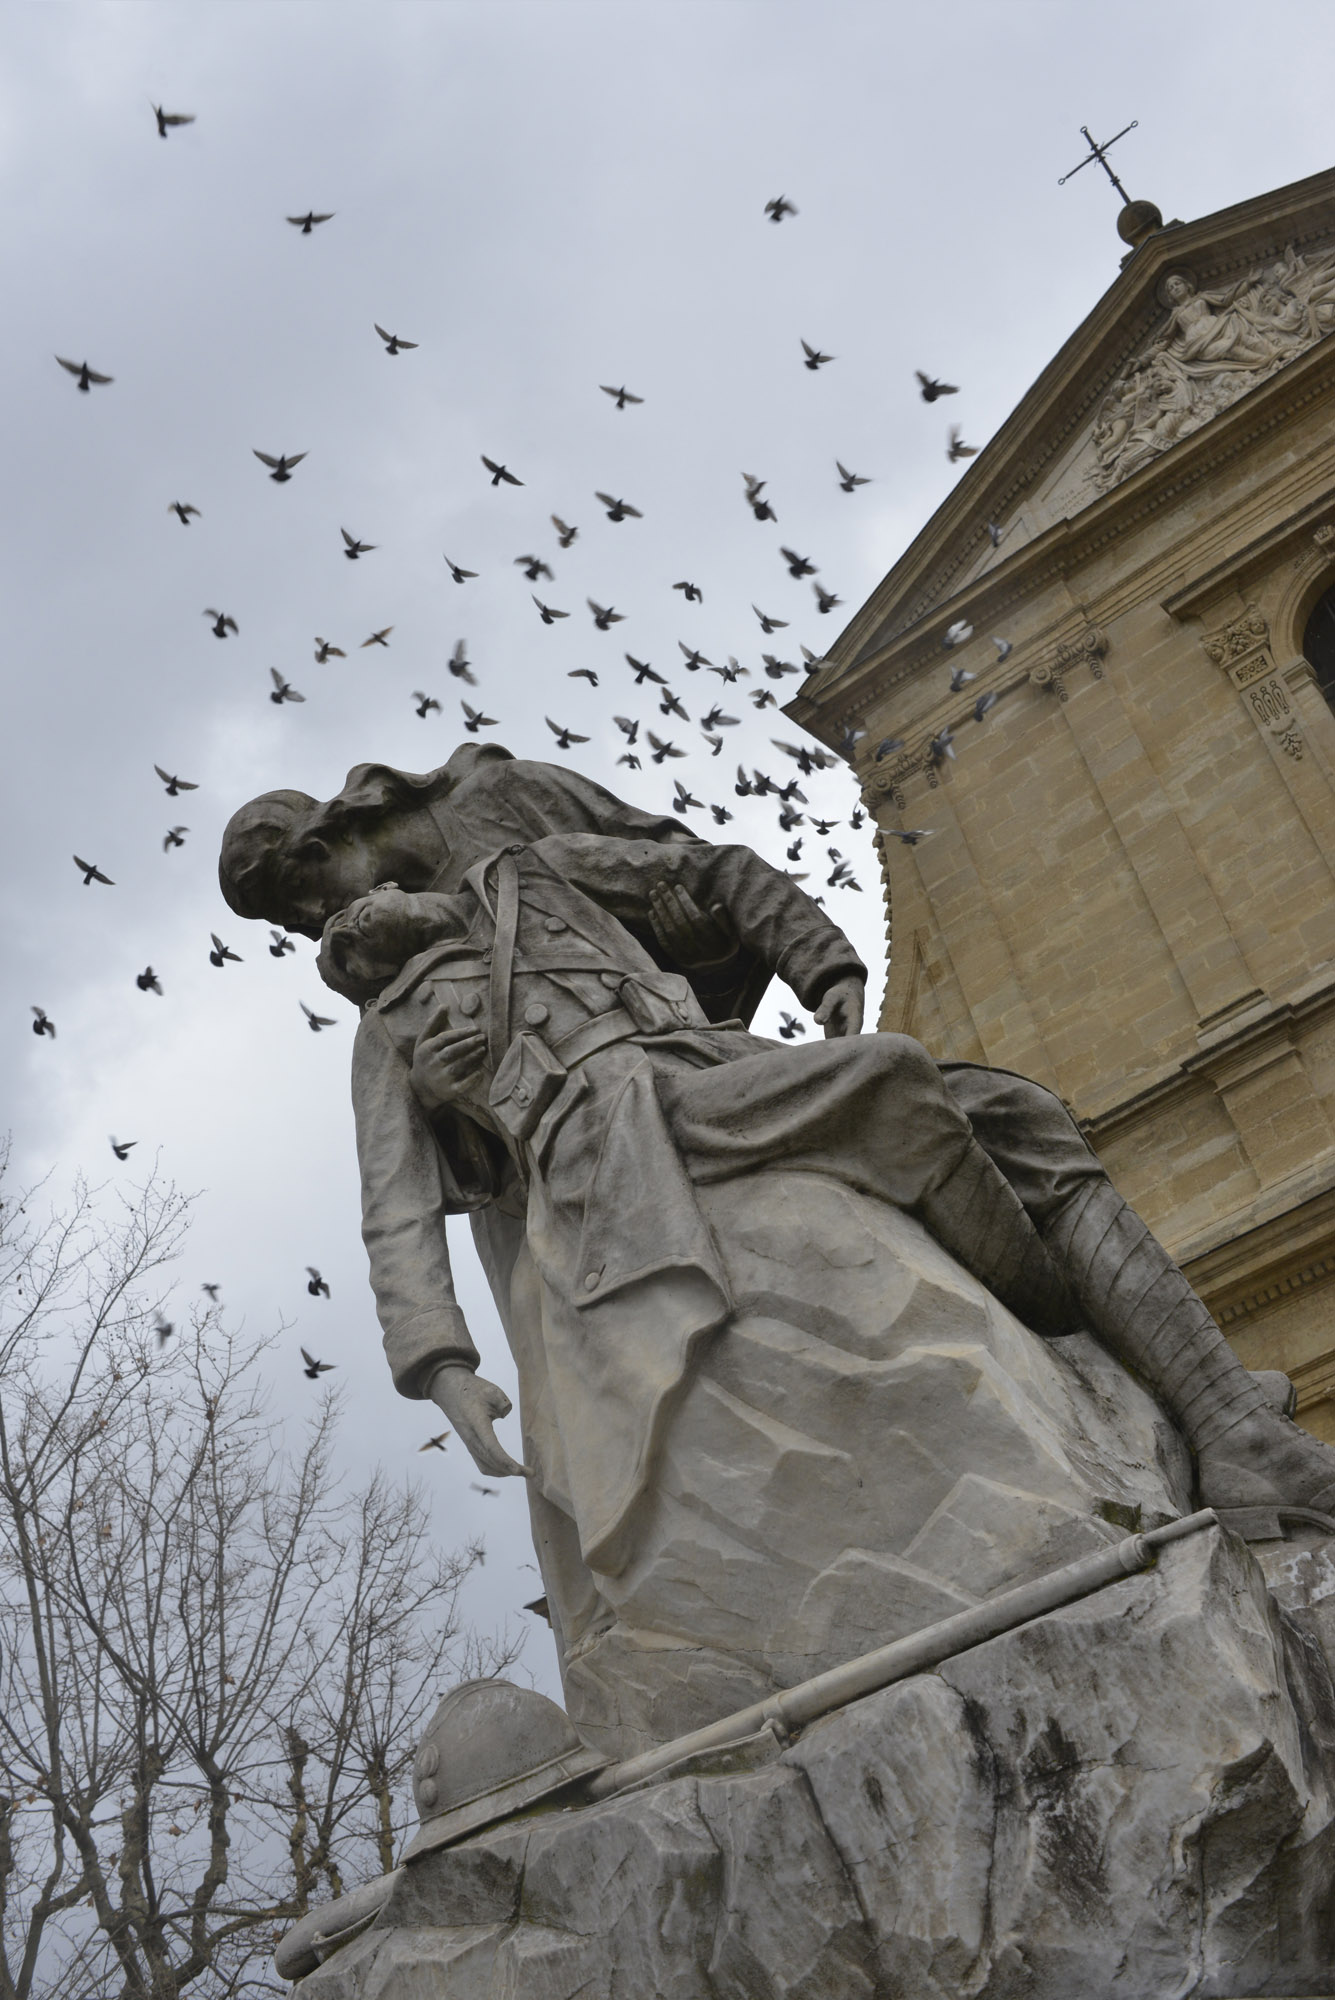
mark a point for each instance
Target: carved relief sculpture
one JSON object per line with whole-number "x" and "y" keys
{"x": 1214, "y": 347}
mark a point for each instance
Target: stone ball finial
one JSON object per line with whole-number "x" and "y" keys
{"x": 1138, "y": 221}
{"x": 492, "y": 1749}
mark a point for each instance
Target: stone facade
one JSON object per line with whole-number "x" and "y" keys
{"x": 1128, "y": 886}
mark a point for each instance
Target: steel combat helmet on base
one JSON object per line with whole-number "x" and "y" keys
{"x": 492, "y": 1750}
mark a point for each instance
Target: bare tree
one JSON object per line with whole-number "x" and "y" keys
{"x": 214, "y": 1660}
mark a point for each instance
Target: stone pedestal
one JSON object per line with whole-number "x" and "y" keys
{"x": 1131, "y": 1798}
{"x": 871, "y": 1444}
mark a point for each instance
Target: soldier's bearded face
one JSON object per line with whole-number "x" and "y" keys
{"x": 321, "y": 877}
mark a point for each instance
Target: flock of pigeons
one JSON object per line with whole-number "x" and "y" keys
{"x": 642, "y": 737}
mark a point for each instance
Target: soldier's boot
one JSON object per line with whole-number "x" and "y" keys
{"x": 976, "y": 1214}
{"x": 1131, "y": 1294}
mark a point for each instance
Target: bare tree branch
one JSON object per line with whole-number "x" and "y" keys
{"x": 214, "y": 1660}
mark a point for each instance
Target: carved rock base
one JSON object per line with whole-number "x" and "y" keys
{"x": 1131, "y": 1798}
{"x": 872, "y": 1444}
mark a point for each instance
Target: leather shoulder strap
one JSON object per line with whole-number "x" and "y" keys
{"x": 503, "y": 957}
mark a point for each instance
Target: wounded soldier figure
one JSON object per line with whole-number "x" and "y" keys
{"x": 528, "y": 1056}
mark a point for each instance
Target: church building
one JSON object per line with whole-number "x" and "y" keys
{"x": 1126, "y": 888}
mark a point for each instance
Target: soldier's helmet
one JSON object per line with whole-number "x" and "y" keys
{"x": 492, "y": 1750}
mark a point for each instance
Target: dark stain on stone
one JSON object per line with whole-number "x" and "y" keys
{"x": 1064, "y": 1821}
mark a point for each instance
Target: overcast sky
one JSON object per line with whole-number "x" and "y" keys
{"x": 546, "y": 197}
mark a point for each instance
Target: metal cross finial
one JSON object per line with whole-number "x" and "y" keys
{"x": 1099, "y": 152}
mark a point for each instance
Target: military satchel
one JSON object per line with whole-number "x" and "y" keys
{"x": 524, "y": 1086}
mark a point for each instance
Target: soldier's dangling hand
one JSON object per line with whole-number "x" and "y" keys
{"x": 445, "y": 1061}
{"x": 840, "y": 1012}
{"x": 690, "y": 936}
{"x": 472, "y": 1405}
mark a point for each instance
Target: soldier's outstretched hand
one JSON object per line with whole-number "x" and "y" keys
{"x": 840, "y": 1012}
{"x": 472, "y": 1405}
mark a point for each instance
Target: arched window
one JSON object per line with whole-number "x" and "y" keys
{"x": 1319, "y": 645}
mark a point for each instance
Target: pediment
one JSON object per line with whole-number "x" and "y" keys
{"x": 1202, "y": 315}
{"x": 1210, "y": 348}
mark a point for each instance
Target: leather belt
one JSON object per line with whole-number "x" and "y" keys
{"x": 590, "y": 1036}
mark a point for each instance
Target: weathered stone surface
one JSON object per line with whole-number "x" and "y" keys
{"x": 1125, "y": 1800}
{"x": 850, "y": 1463}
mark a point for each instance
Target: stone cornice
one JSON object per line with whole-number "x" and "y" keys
{"x": 1314, "y": 523}
{"x": 1070, "y": 387}
{"x": 836, "y": 695}
{"x": 1223, "y": 1054}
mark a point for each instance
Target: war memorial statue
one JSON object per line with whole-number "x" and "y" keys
{"x": 824, "y": 1351}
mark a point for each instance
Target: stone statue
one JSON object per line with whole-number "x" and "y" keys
{"x": 765, "y": 1411}
{"x": 1214, "y": 347}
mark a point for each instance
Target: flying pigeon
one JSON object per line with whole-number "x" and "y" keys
{"x": 779, "y": 207}
{"x": 849, "y": 481}
{"x": 548, "y": 612}
{"x": 305, "y": 223}
{"x": 316, "y": 1021}
{"x": 691, "y": 591}
{"x": 565, "y": 532}
{"x": 148, "y": 982}
{"x": 324, "y": 651}
{"x": 957, "y": 448}
{"x": 282, "y": 690}
{"x": 174, "y": 837}
{"x": 182, "y": 510}
{"x": 393, "y": 341}
{"x": 617, "y": 510}
{"x": 174, "y": 785}
{"x": 84, "y": 372}
{"x": 282, "y": 944}
{"x": 222, "y": 623}
{"x": 814, "y": 358}
{"x": 168, "y": 119}
{"x": 221, "y": 952}
{"x": 620, "y": 396}
{"x": 459, "y": 575}
{"x": 353, "y": 548}
{"x": 315, "y": 1369}
{"x": 474, "y": 719}
{"x": 92, "y": 873}
{"x": 564, "y": 737}
{"x": 42, "y": 1023}
{"x": 380, "y": 638}
{"x": 316, "y": 1285}
{"x": 930, "y": 389}
{"x": 281, "y": 466}
{"x": 499, "y": 472}
{"x": 121, "y": 1147}
{"x": 425, "y": 702}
